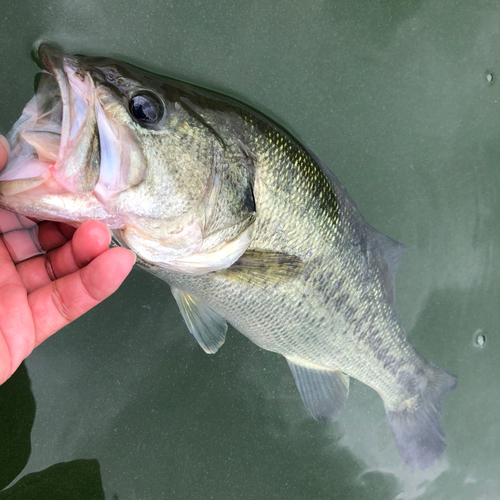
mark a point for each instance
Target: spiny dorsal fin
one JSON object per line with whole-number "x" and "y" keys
{"x": 261, "y": 267}
{"x": 392, "y": 250}
{"x": 207, "y": 327}
{"x": 324, "y": 392}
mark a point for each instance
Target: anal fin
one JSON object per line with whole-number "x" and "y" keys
{"x": 324, "y": 392}
{"x": 207, "y": 327}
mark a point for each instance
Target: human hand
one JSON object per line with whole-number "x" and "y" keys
{"x": 41, "y": 294}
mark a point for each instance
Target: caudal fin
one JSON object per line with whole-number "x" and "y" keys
{"x": 418, "y": 435}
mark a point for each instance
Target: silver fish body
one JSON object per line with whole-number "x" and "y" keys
{"x": 246, "y": 225}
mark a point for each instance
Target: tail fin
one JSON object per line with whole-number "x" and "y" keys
{"x": 418, "y": 435}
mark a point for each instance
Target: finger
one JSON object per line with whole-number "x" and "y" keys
{"x": 22, "y": 244}
{"x": 51, "y": 236}
{"x": 55, "y": 234}
{"x": 91, "y": 239}
{"x": 19, "y": 236}
{"x": 9, "y": 221}
{"x": 4, "y": 152}
{"x": 62, "y": 301}
{"x": 8, "y": 272}
{"x": 66, "y": 230}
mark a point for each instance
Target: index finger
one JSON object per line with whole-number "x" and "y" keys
{"x": 90, "y": 240}
{"x": 62, "y": 301}
{"x": 4, "y": 152}
{"x": 19, "y": 236}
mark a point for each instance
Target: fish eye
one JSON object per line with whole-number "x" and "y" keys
{"x": 146, "y": 109}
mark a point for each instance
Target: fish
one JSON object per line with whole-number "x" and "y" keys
{"x": 246, "y": 225}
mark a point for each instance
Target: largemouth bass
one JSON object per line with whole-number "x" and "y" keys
{"x": 246, "y": 225}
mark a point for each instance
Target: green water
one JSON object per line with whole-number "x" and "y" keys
{"x": 400, "y": 99}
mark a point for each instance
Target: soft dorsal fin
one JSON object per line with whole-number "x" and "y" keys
{"x": 392, "y": 250}
{"x": 324, "y": 392}
{"x": 207, "y": 327}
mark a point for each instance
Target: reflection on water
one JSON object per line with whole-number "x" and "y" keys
{"x": 78, "y": 480}
{"x": 17, "y": 413}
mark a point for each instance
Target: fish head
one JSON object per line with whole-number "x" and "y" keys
{"x": 104, "y": 140}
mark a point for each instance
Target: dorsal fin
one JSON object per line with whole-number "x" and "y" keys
{"x": 392, "y": 251}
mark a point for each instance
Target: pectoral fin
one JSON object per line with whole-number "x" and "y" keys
{"x": 260, "y": 267}
{"x": 207, "y": 327}
{"x": 324, "y": 392}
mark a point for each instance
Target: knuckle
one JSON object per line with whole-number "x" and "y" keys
{"x": 88, "y": 288}
{"x": 49, "y": 268}
{"x": 60, "y": 304}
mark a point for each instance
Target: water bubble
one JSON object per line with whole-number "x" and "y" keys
{"x": 489, "y": 77}
{"x": 479, "y": 339}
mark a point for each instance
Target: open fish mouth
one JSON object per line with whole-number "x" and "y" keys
{"x": 68, "y": 157}
{"x": 52, "y": 149}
